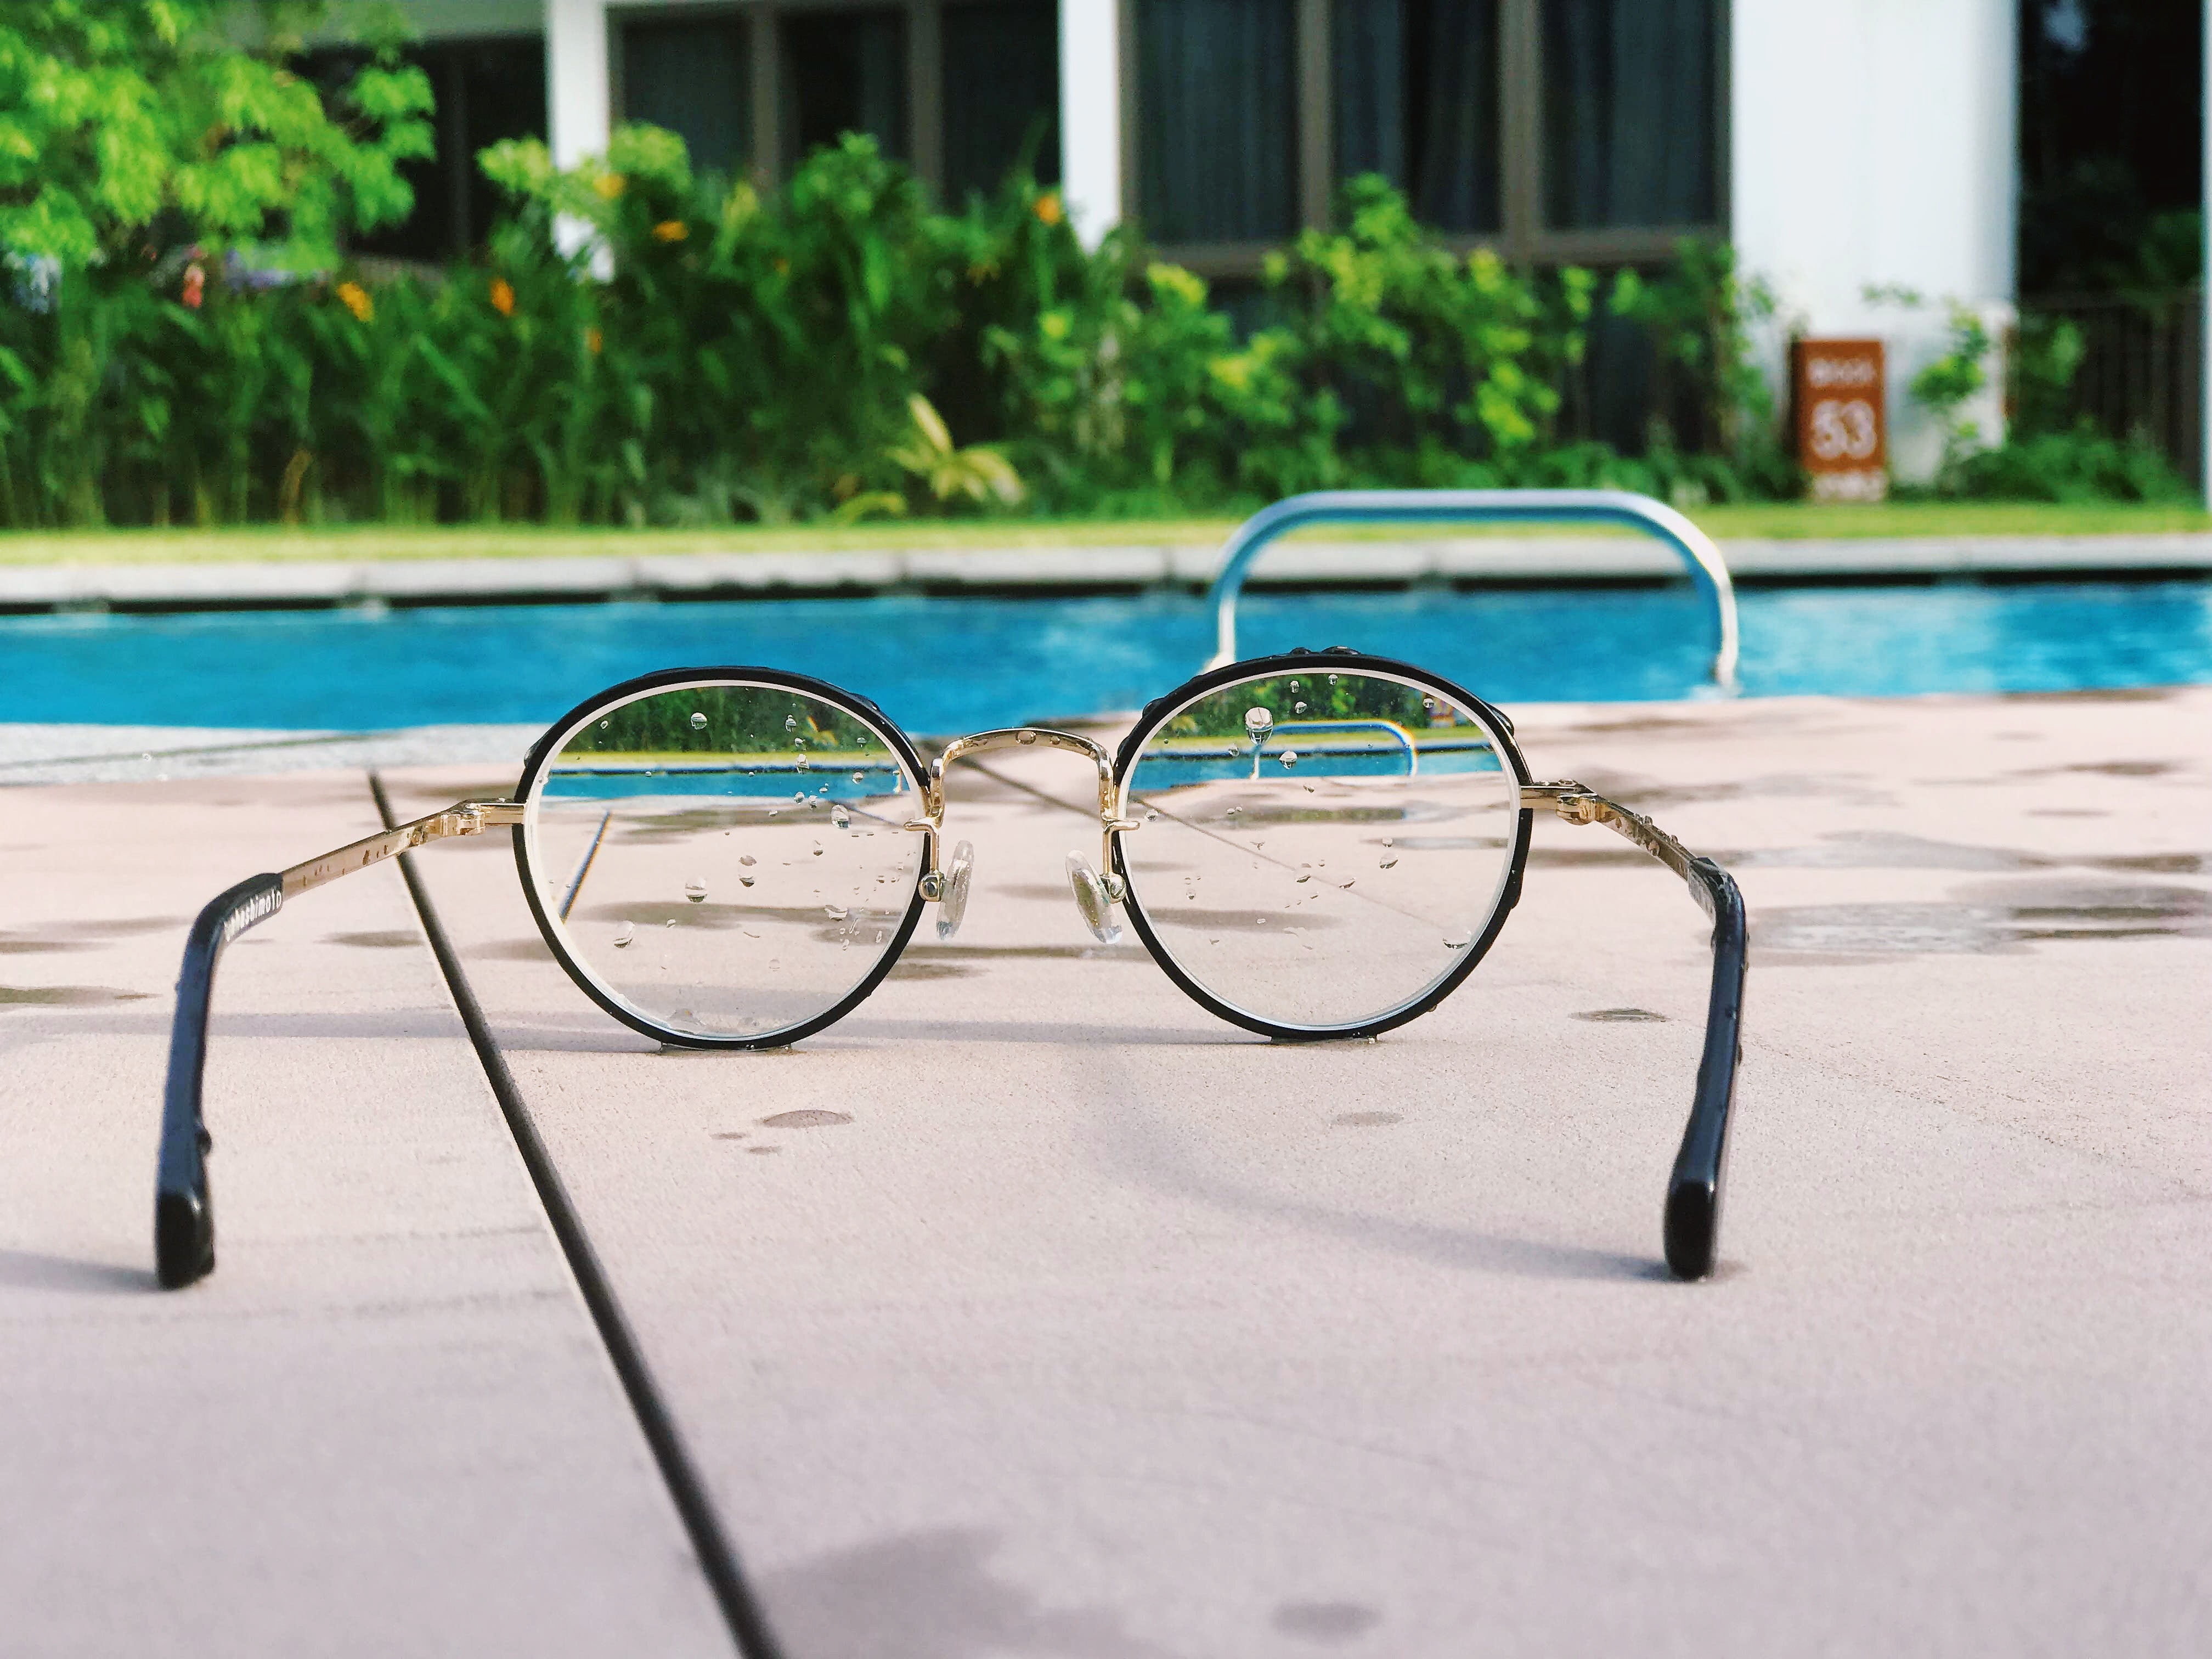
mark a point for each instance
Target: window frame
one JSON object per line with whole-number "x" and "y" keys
{"x": 770, "y": 166}
{"x": 1523, "y": 239}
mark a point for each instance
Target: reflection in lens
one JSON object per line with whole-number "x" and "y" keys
{"x": 726, "y": 860}
{"x": 1320, "y": 850}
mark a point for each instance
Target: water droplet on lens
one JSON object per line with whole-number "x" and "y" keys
{"x": 698, "y": 722}
{"x": 797, "y": 796}
{"x": 604, "y": 724}
{"x": 745, "y": 859}
{"x": 696, "y": 891}
{"x": 1305, "y": 875}
{"x": 623, "y": 935}
{"x": 1429, "y": 703}
{"x": 791, "y": 722}
{"x": 1389, "y": 864}
{"x": 745, "y": 881}
{"x": 818, "y": 849}
{"x": 1297, "y": 708}
{"x": 1259, "y": 921}
{"x": 1294, "y": 685}
{"x": 860, "y": 777}
{"x": 1331, "y": 679}
{"x": 798, "y": 743}
{"x": 1455, "y": 944}
{"x": 1232, "y": 812}
{"x": 839, "y": 817}
{"x": 670, "y": 922}
{"x": 836, "y": 911}
{"x": 1388, "y": 841}
{"x": 1289, "y": 758}
{"x": 773, "y": 810}
{"x": 803, "y": 763}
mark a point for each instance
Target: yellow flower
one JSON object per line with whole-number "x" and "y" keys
{"x": 502, "y": 296}
{"x": 355, "y": 299}
{"x": 671, "y": 230}
{"x": 609, "y": 186}
{"x": 593, "y": 340}
{"x": 1048, "y": 210}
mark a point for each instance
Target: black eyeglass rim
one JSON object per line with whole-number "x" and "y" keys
{"x": 541, "y": 754}
{"x": 1336, "y": 659}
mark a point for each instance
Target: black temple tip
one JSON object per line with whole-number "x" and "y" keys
{"x": 184, "y": 1239}
{"x": 1693, "y": 1215}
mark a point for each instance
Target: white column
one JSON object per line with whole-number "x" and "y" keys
{"x": 578, "y": 112}
{"x": 1873, "y": 144}
{"x": 1090, "y": 70}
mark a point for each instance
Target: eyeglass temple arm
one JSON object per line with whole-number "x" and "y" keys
{"x": 1693, "y": 1191}
{"x": 184, "y": 1212}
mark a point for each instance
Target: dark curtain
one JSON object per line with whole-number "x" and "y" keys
{"x": 1001, "y": 91}
{"x": 1217, "y": 123}
{"x": 487, "y": 90}
{"x": 1417, "y": 101}
{"x": 694, "y": 79}
{"x": 844, "y": 71}
{"x": 1630, "y": 112}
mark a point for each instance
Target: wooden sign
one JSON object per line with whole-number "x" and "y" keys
{"x": 1836, "y": 390}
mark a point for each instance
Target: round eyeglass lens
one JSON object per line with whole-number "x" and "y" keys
{"x": 726, "y": 860}
{"x": 1320, "y": 850}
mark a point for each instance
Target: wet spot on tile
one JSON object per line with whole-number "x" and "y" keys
{"x": 2155, "y": 864}
{"x": 2067, "y": 812}
{"x": 391, "y": 938}
{"x": 1877, "y": 850}
{"x": 932, "y": 970}
{"x": 1620, "y": 1016}
{"x": 2000, "y": 916}
{"x": 731, "y": 1134}
{"x": 763, "y": 1152}
{"x": 67, "y": 996}
{"x": 2119, "y": 769}
{"x": 808, "y": 1119}
{"x": 1326, "y": 1621}
{"x": 1370, "y": 1120}
{"x": 511, "y": 950}
{"x": 17, "y": 944}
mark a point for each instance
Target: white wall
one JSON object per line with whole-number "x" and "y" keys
{"x": 1873, "y": 143}
{"x": 577, "y": 107}
{"x": 1090, "y": 115}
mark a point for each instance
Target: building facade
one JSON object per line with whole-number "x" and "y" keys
{"x": 1855, "y": 153}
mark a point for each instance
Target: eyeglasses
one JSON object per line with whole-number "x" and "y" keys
{"x": 1320, "y": 845}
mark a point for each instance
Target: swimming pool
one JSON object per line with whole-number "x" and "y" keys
{"x": 945, "y": 664}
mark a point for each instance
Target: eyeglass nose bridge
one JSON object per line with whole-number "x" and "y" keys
{"x": 1094, "y": 892}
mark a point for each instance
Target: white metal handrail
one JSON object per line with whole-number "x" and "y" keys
{"x": 1708, "y": 570}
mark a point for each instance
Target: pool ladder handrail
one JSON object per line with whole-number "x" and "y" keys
{"x": 1707, "y": 569}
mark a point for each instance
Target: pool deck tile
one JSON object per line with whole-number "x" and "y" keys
{"x": 1102, "y": 1328}
{"x": 1032, "y": 1311}
{"x": 385, "y": 1424}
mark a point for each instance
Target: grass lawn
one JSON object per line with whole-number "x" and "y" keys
{"x": 1781, "y": 520}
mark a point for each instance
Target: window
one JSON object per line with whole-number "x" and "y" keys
{"x": 1586, "y": 130}
{"x": 1416, "y": 100}
{"x": 694, "y": 76}
{"x": 844, "y": 71}
{"x": 486, "y": 90}
{"x": 1630, "y": 112}
{"x": 1001, "y": 79}
{"x": 1217, "y": 81}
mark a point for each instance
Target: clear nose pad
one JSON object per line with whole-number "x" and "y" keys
{"x": 1091, "y": 899}
{"x": 952, "y": 906}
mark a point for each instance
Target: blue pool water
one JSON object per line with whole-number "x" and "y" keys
{"x": 945, "y": 664}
